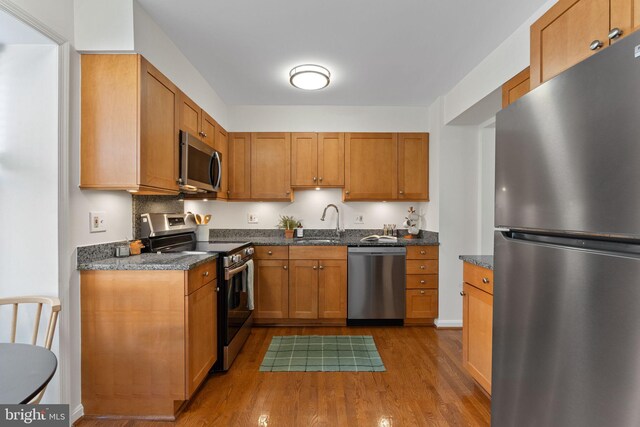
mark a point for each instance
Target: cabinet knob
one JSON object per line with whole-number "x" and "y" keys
{"x": 485, "y": 280}
{"x": 422, "y": 282}
{"x": 321, "y": 267}
{"x": 320, "y": 179}
{"x": 421, "y": 292}
{"x": 315, "y": 179}
{"x": 218, "y": 289}
{"x": 595, "y": 45}
{"x": 401, "y": 192}
{"x": 422, "y": 267}
{"x": 347, "y": 192}
{"x": 462, "y": 293}
{"x": 615, "y": 33}
{"x": 315, "y": 268}
{"x": 288, "y": 192}
{"x": 270, "y": 253}
{"x": 285, "y": 267}
{"x": 205, "y": 274}
{"x": 423, "y": 252}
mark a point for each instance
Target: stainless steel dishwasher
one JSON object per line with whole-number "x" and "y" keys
{"x": 376, "y": 285}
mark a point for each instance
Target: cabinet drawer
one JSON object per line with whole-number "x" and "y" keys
{"x": 200, "y": 276}
{"x": 318, "y": 252}
{"x": 481, "y": 278}
{"x": 272, "y": 252}
{"x": 422, "y": 267}
{"x": 422, "y": 252}
{"x": 422, "y": 304}
{"x": 422, "y": 281}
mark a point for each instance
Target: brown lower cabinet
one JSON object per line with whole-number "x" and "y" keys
{"x": 422, "y": 285}
{"x": 305, "y": 284}
{"x": 148, "y": 340}
{"x": 477, "y": 323}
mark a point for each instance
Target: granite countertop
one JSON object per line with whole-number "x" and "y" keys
{"x": 484, "y": 261}
{"x": 148, "y": 261}
{"x": 334, "y": 241}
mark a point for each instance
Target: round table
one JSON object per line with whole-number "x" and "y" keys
{"x": 24, "y": 371}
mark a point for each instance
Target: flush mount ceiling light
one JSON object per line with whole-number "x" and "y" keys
{"x": 309, "y": 77}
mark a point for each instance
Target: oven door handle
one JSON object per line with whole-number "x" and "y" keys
{"x": 228, "y": 274}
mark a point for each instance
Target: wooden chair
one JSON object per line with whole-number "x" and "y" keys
{"x": 52, "y": 302}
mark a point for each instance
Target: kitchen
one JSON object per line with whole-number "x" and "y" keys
{"x": 454, "y": 135}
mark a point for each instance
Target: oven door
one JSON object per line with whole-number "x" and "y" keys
{"x": 236, "y": 301}
{"x": 200, "y": 165}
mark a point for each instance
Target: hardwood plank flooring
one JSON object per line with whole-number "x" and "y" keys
{"x": 424, "y": 385}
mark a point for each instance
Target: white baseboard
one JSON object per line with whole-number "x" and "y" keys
{"x": 76, "y": 414}
{"x": 448, "y": 323}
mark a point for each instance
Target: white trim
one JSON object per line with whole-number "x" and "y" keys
{"x": 76, "y": 414}
{"x": 448, "y": 323}
{"x": 28, "y": 19}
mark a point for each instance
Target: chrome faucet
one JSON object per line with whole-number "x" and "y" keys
{"x": 337, "y": 220}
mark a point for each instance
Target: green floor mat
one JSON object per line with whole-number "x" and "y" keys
{"x": 322, "y": 353}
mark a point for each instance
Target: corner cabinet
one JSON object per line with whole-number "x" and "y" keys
{"x": 413, "y": 166}
{"x": 129, "y": 136}
{"x": 239, "y": 166}
{"x": 573, "y": 30}
{"x": 477, "y": 323}
{"x": 149, "y": 339}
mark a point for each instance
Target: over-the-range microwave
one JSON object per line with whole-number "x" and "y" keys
{"x": 200, "y": 165}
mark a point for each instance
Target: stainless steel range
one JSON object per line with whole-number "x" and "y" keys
{"x": 173, "y": 233}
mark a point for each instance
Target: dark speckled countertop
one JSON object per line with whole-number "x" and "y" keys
{"x": 148, "y": 261}
{"x": 484, "y": 261}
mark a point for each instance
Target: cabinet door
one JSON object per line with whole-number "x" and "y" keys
{"x": 516, "y": 88}
{"x": 303, "y": 289}
{"x": 371, "y": 166}
{"x": 271, "y": 289}
{"x": 222, "y": 145}
{"x": 413, "y": 166}
{"x": 422, "y": 304}
{"x": 208, "y": 129}
{"x": 158, "y": 135}
{"x": 270, "y": 166}
{"x": 202, "y": 340}
{"x": 331, "y": 159}
{"x": 190, "y": 116}
{"x": 239, "y": 166}
{"x": 332, "y": 289}
{"x": 477, "y": 321}
{"x": 562, "y": 37}
{"x": 304, "y": 159}
{"x": 625, "y": 15}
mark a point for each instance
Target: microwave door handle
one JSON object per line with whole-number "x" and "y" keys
{"x": 217, "y": 156}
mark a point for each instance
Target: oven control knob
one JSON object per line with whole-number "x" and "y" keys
{"x": 248, "y": 251}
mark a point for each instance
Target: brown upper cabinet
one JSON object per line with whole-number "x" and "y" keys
{"x": 573, "y": 30}
{"x": 516, "y": 88}
{"x": 129, "y": 126}
{"x": 386, "y": 166}
{"x": 371, "y": 166}
{"x": 221, "y": 144}
{"x": 317, "y": 160}
{"x": 196, "y": 121}
{"x": 270, "y": 166}
{"x": 239, "y": 166}
{"x": 413, "y": 162}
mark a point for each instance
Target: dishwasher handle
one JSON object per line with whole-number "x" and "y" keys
{"x": 377, "y": 251}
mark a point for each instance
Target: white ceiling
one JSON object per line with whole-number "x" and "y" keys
{"x": 380, "y": 52}
{"x": 14, "y": 31}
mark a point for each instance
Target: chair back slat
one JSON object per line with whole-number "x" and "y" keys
{"x": 36, "y": 325}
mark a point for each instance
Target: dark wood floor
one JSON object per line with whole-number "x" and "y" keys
{"x": 424, "y": 385}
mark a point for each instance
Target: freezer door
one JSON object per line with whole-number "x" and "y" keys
{"x": 566, "y": 336}
{"x": 568, "y": 153}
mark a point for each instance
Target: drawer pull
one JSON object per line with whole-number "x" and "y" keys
{"x": 422, "y": 282}
{"x": 421, "y": 292}
{"x": 485, "y": 280}
{"x": 422, "y": 267}
{"x": 595, "y": 45}
{"x": 423, "y": 252}
{"x": 270, "y": 253}
{"x": 205, "y": 274}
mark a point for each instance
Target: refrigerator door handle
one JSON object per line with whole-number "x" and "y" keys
{"x": 610, "y": 247}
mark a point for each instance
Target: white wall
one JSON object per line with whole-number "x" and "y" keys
{"x": 304, "y": 118}
{"x": 29, "y": 184}
{"x": 308, "y": 207}
{"x": 104, "y": 25}
{"x": 486, "y": 193}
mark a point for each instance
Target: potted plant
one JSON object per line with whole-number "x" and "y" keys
{"x": 288, "y": 223}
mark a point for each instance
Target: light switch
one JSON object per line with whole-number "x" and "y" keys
{"x": 97, "y": 223}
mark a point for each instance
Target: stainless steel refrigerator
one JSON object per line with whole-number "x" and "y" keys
{"x": 566, "y": 325}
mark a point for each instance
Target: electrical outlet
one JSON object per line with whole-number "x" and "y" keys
{"x": 359, "y": 219}
{"x": 252, "y": 218}
{"x": 97, "y": 223}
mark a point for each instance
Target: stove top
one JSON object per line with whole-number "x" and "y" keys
{"x": 221, "y": 247}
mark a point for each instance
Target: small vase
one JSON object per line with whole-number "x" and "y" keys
{"x": 288, "y": 234}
